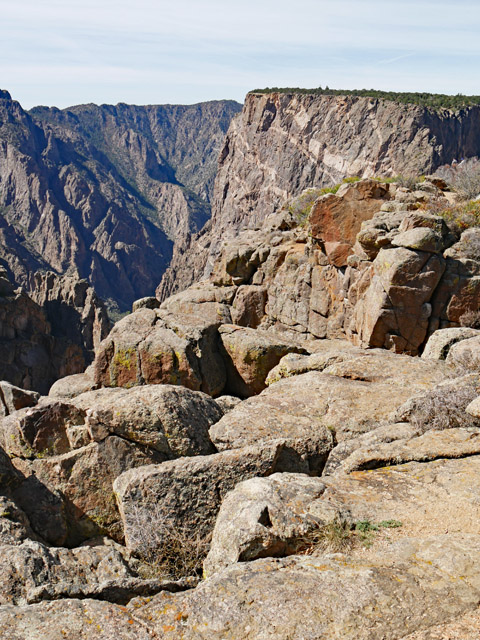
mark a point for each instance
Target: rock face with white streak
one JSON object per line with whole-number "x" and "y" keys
{"x": 284, "y": 143}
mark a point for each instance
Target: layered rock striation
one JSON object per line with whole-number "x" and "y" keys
{"x": 283, "y": 143}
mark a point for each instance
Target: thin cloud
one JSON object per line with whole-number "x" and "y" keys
{"x": 112, "y": 50}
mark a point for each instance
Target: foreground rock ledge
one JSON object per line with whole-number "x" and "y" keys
{"x": 389, "y": 595}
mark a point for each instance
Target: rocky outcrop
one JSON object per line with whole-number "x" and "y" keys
{"x": 73, "y": 309}
{"x": 185, "y": 343}
{"x": 68, "y": 453}
{"x": 369, "y": 263}
{"x": 158, "y": 501}
{"x": 283, "y": 143}
{"x": 41, "y": 342}
{"x": 105, "y": 192}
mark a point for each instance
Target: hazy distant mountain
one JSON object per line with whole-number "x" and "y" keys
{"x": 105, "y": 191}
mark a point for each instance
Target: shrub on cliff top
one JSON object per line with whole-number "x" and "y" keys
{"x": 435, "y": 101}
{"x": 464, "y": 177}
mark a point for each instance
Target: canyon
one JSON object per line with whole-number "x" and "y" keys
{"x": 105, "y": 192}
{"x": 285, "y": 441}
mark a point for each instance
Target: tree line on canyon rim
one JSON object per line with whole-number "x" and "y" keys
{"x": 422, "y": 99}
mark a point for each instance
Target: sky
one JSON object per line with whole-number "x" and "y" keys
{"x": 68, "y": 52}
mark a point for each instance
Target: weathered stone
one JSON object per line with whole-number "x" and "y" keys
{"x": 14, "y": 525}
{"x": 370, "y": 440}
{"x": 419, "y": 239}
{"x": 186, "y": 494}
{"x": 351, "y": 396}
{"x": 249, "y": 356}
{"x": 432, "y": 445}
{"x": 474, "y": 408}
{"x": 73, "y": 309}
{"x": 202, "y": 300}
{"x": 13, "y": 398}
{"x": 263, "y": 517}
{"x": 327, "y": 352}
{"x": 440, "y": 342}
{"x": 150, "y": 302}
{"x": 443, "y": 406}
{"x": 69, "y": 498}
{"x": 227, "y": 403}
{"x": 31, "y": 567}
{"x": 166, "y": 418}
{"x": 466, "y": 353}
{"x": 387, "y": 595}
{"x": 88, "y": 619}
{"x": 458, "y": 293}
{"x": 395, "y": 309}
{"x": 248, "y": 307}
{"x": 73, "y": 385}
{"x": 158, "y": 347}
{"x": 41, "y": 430}
{"x": 335, "y": 220}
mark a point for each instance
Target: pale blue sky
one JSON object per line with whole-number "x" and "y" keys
{"x": 64, "y": 52}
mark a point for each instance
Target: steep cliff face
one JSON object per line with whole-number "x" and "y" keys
{"x": 50, "y": 334}
{"x": 105, "y": 192}
{"x": 282, "y": 144}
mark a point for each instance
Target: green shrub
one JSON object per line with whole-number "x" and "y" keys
{"x": 461, "y": 216}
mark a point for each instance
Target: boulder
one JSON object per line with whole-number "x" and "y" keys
{"x": 202, "y": 300}
{"x": 443, "y": 407}
{"x": 73, "y": 385}
{"x": 31, "y": 568}
{"x": 40, "y": 431}
{"x": 13, "y": 398}
{"x": 278, "y": 515}
{"x": 88, "y": 619}
{"x": 263, "y": 517}
{"x": 419, "y": 239}
{"x": 432, "y": 445}
{"x": 395, "y": 309}
{"x": 327, "y": 352}
{"x": 69, "y": 498}
{"x": 386, "y": 433}
{"x": 457, "y": 296}
{"x": 248, "y": 308}
{"x": 149, "y": 302}
{"x": 391, "y": 593}
{"x": 335, "y": 219}
{"x": 185, "y": 494}
{"x": 440, "y": 342}
{"x": 249, "y": 355}
{"x": 158, "y": 347}
{"x": 166, "y": 418}
{"x": 240, "y": 259}
{"x": 14, "y": 525}
{"x": 474, "y": 408}
{"x": 466, "y": 354}
{"x": 351, "y": 396}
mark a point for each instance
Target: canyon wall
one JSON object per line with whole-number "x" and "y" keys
{"x": 104, "y": 193}
{"x": 283, "y": 143}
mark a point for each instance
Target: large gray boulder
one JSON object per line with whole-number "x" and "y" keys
{"x": 154, "y": 346}
{"x": 185, "y": 494}
{"x": 249, "y": 356}
{"x": 169, "y": 419}
{"x": 263, "y": 517}
{"x": 387, "y": 594}
{"x": 442, "y": 340}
